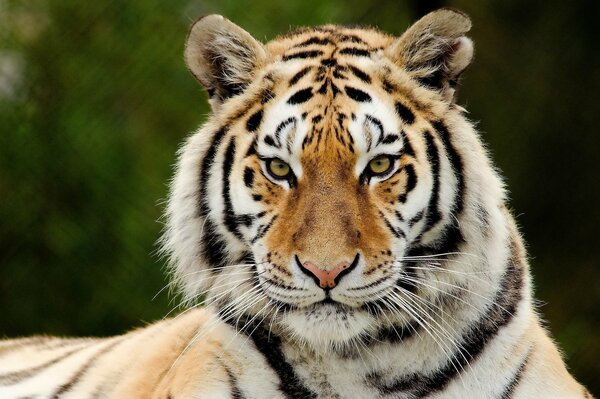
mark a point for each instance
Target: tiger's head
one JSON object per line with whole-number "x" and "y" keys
{"x": 326, "y": 170}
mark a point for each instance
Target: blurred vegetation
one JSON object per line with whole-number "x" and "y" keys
{"x": 95, "y": 98}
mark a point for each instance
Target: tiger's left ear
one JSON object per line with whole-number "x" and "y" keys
{"x": 435, "y": 50}
{"x": 223, "y": 57}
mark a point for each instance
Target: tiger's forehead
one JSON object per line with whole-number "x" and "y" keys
{"x": 329, "y": 98}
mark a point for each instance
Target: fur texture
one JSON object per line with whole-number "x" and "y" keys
{"x": 343, "y": 223}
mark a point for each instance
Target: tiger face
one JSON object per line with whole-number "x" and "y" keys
{"x": 325, "y": 167}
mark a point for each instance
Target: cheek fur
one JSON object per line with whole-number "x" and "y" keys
{"x": 261, "y": 189}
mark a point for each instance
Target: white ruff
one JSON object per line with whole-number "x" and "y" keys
{"x": 327, "y": 326}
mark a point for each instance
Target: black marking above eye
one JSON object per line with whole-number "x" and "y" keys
{"x": 390, "y": 138}
{"x": 270, "y": 141}
{"x": 282, "y": 126}
{"x": 300, "y": 96}
{"x": 404, "y": 113}
{"x": 254, "y": 121}
{"x": 358, "y": 95}
{"x": 377, "y": 124}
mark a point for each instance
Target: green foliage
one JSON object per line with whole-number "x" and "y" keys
{"x": 95, "y": 98}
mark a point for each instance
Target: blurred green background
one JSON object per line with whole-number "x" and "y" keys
{"x": 95, "y": 98}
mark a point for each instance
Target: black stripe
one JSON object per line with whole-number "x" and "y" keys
{"x": 482, "y": 332}
{"x": 349, "y": 38}
{"x": 266, "y": 95}
{"x": 407, "y": 148}
{"x": 235, "y": 391}
{"x": 299, "y": 75}
{"x": 399, "y": 216}
{"x": 263, "y": 229}
{"x": 457, "y": 165}
{"x": 388, "y": 86}
{"x": 248, "y": 177}
{"x": 254, "y": 121}
{"x": 329, "y": 62}
{"x": 416, "y": 219}
{"x": 252, "y": 148}
{"x": 396, "y": 231}
{"x": 357, "y": 52}
{"x": 314, "y": 40}
{"x": 67, "y": 386}
{"x": 404, "y": 113}
{"x": 214, "y": 247}
{"x": 302, "y": 55}
{"x": 452, "y": 236}
{"x": 390, "y": 138}
{"x": 360, "y": 74}
{"x": 270, "y": 141}
{"x": 411, "y": 178}
{"x": 377, "y": 123}
{"x": 281, "y": 127}
{"x": 397, "y": 334}
{"x": 269, "y": 345}
{"x": 509, "y": 389}
{"x": 16, "y": 377}
{"x": 213, "y": 244}
{"x": 358, "y": 95}
{"x": 301, "y": 96}
{"x": 230, "y": 220}
{"x": 433, "y": 156}
{"x": 207, "y": 162}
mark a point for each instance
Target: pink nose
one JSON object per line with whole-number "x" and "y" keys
{"x": 327, "y": 278}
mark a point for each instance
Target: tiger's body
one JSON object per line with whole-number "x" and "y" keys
{"x": 346, "y": 227}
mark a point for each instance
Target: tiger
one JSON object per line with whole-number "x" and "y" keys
{"x": 337, "y": 230}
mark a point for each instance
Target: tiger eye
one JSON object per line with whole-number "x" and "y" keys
{"x": 278, "y": 168}
{"x": 380, "y": 164}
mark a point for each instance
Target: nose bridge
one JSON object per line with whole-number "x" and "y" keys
{"x": 327, "y": 233}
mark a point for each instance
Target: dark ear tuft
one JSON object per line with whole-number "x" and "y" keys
{"x": 435, "y": 50}
{"x": 222, "y": 56}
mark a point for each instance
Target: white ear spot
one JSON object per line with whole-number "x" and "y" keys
{"x": 462, "y": 56}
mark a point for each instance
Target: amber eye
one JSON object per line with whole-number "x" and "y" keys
{"x": 278, "y": 169}
{"x": 380, "y": 165}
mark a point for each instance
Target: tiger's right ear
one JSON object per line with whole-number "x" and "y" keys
{"x": 435, "y": 50}
{"x": 222, "y": 56}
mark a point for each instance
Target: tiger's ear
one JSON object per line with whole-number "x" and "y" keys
{"x": 435, "y": 50}
{"x": 222, "y": 56}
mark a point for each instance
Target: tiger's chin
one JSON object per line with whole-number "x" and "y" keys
{"x": 328, "y": 326}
